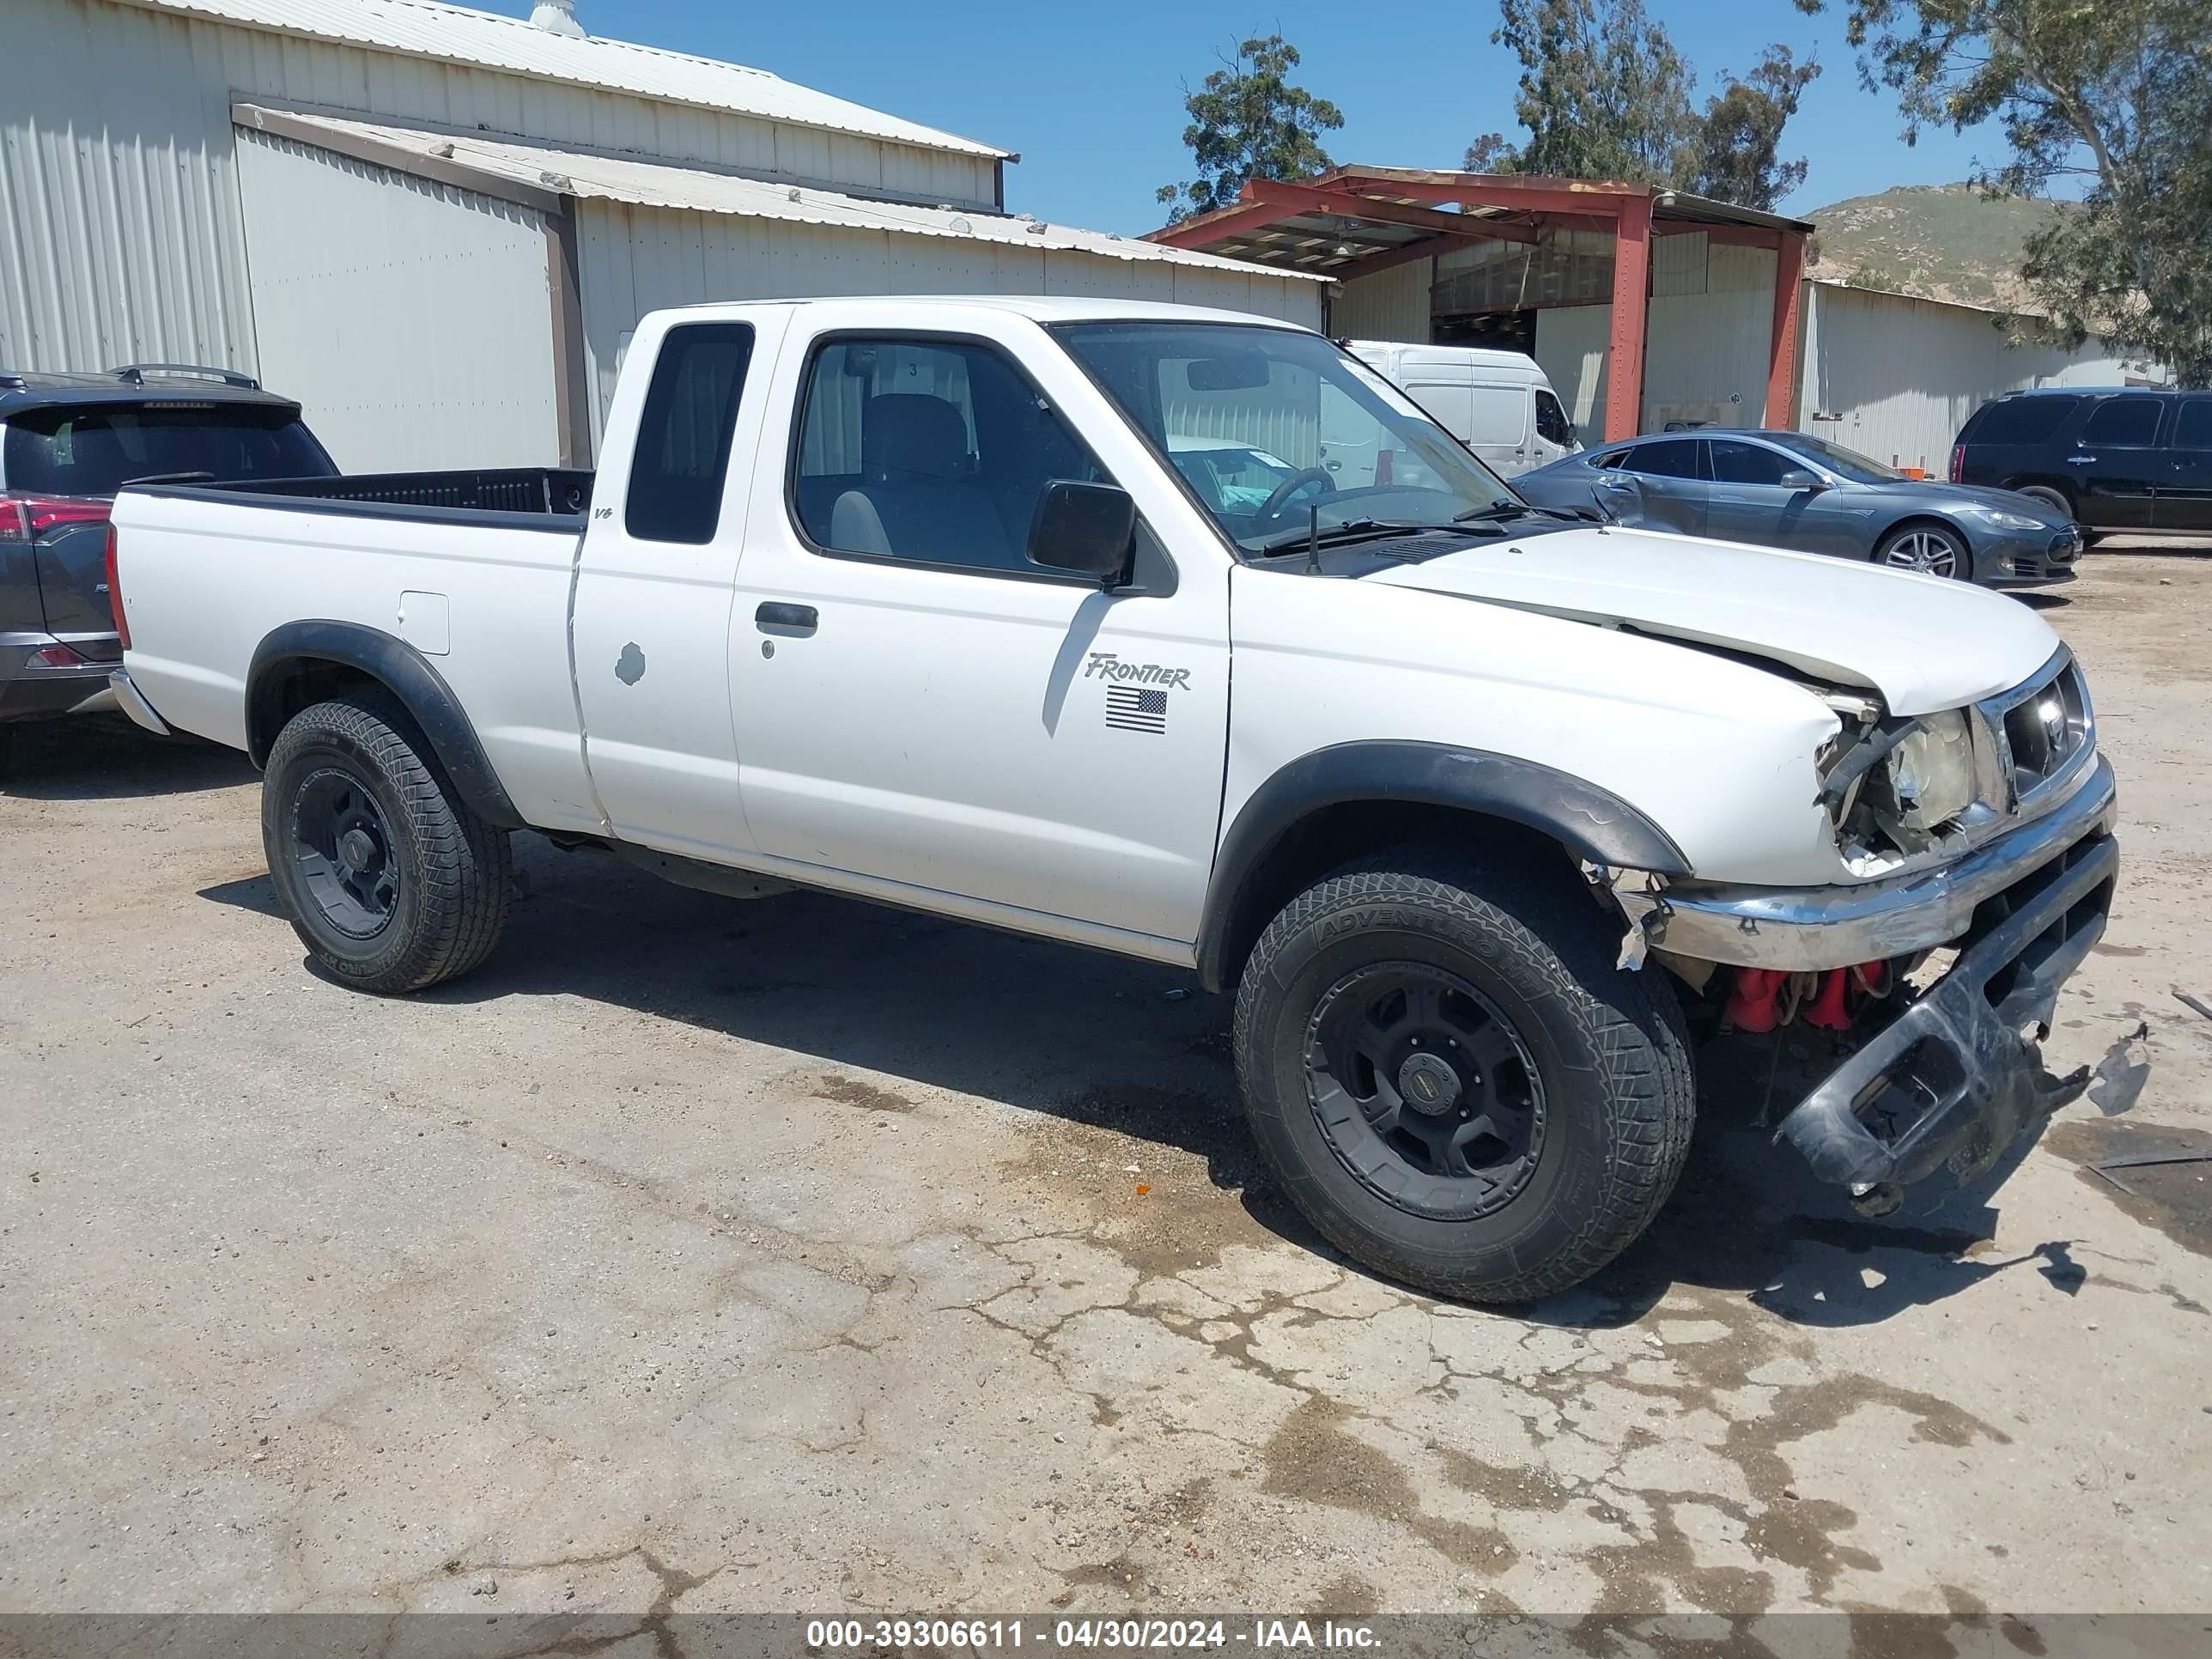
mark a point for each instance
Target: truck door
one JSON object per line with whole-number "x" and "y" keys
{"x": 919, "y": 706}
{"x": 651, "y": 631}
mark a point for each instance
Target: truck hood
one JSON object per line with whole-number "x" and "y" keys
{"x": 1922, "y": 643}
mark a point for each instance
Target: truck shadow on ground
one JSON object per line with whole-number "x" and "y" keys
{"x": 106, "y": 757}
{"x": 1109, "y": 1045}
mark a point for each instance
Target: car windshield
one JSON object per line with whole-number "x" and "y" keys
{"x": 1271, "y": 426}
{"x": 96, "y": 449}
{"x": 1845, "y": 462}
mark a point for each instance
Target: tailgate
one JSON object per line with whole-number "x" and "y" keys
{"x": 71, "y": 560}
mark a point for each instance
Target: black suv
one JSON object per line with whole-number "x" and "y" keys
{"x": 2115, "y": 459}
{"x": 68, "y": 442}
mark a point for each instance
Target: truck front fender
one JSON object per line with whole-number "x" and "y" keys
{"x": 287, "y": 659}
{"x": 1589, "y": 823}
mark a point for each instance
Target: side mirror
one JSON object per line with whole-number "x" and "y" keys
{"x": 1798, "y": 477}
{"x": 1087, "y": 527}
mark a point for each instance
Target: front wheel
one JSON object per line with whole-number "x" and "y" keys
{"x": 1454, "y": 1083}
{"x": 1933, "y": 550}
{"x": 389, "y": 880}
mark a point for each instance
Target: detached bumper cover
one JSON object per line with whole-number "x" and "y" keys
{"x": 1952, "y": 1079}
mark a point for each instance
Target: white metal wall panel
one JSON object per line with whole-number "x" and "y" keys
{"x": 1895, "y": 378}
{"x": 1570, "y": 349}
{"x": 1678, "y": 262}
{"x": 1390, "y": 305}
{"x": 637, "y": 259}
{"x": 119, "y": 229}
{"x": 413, "y": 321}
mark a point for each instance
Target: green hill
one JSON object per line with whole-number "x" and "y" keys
{"x": 1940, "y": 241}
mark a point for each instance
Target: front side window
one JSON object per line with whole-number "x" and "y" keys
{"x": 935, "y": 451}
{"x": 1673, "y": 457}
{"x": 96, "y": 451}
{"x": 683, "y": 447}
{"x": 1326, "y": 443}
{"x": 2124, "y": 423}
{"x": 1551, "y": 423}
{"x": 1745, "y": 463}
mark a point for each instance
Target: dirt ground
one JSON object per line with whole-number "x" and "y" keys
{"x": 796, "y": 1254}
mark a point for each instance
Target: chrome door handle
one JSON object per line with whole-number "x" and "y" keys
{"x": 2080, "y": 460}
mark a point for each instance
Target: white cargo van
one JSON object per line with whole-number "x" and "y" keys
{"x": 1497, "y": 403}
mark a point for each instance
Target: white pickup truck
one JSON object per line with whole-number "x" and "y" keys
{"x": 979, "y": 606}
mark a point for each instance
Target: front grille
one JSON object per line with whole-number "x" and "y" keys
{"x": 2041, "y": 729}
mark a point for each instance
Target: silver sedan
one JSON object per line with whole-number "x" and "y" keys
{"x": 1793, "y": 490}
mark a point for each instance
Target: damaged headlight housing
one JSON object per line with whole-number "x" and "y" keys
{"x": 1931, "y": 772}
{"x": 1901, "y": 788}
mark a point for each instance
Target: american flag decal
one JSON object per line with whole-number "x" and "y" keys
{"x": 1132, "y": 709}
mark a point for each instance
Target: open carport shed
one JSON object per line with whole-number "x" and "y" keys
{"x": 1359, "y": 224}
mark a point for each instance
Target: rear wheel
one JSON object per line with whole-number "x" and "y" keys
{"x": 390, "y": 882}
{"x": 1933, "y": 550}
{"x": 2053, "y": 499}
{"x": 1453, "y": 1081}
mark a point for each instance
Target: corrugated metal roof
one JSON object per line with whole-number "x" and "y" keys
{"x": 533, "y": 171}
{"x": 455, "y": 34}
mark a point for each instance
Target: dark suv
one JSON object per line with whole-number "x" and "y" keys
{"x": 2115, "y": 459}
{"x": 68, "y": 442}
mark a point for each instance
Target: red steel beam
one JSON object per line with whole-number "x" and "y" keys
{"x": 1624, "y": 370}
{"x": 1202, "y": 229}
{"x": 1782, "y": 343}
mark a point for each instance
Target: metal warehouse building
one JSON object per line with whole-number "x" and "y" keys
{"x": 1646, "y": 307}
{"x": 437, "y": 227}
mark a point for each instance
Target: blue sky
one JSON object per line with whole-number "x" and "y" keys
{"x": 1091, "y": 96}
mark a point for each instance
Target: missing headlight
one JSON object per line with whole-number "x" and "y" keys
{"x": 1918, "y": 779}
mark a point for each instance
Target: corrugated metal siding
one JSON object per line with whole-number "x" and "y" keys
{"x": 466, "y": 36}
{"x": 637, "y": 259}
{"x": 1902, "y": 374}
{"x": 1678, "y": 262}
{"x": 119, "y": 231}
{"x": 412, "y": 321}
{"x": 1390, "y": 305}
{"x": 1570, "y": 349}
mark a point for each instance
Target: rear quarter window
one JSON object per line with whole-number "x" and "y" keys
{"x": 2019, "y": 420}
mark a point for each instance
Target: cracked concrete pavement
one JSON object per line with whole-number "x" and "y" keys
{"x": 798, "y": 1256}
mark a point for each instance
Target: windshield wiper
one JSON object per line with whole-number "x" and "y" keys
{"x": 1361, "y": 530}
{"x": 1497, "y": 512}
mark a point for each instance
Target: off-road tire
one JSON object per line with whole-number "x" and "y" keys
{"x": 452, "y": 868}
{"x": 1610, "y": 1047}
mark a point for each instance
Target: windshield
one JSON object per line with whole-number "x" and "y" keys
{"x": 1268, "y": 426}
{"x": 1848, "y": 463}
{"x": 94, "y": 450}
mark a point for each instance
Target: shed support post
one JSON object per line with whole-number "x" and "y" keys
{"x": 1631, "y": 268}
{"x": 1781, "y": 346}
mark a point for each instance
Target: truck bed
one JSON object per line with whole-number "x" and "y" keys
{"x": 544, "y": 497}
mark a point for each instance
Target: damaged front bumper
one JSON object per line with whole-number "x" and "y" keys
{"x": 1957, "y": 1076}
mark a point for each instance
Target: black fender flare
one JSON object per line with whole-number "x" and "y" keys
{"x": 1590, "y": 823}
{"x": 401, "y": 670}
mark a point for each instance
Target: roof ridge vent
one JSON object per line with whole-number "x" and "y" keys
{"x": 556, "y": 17}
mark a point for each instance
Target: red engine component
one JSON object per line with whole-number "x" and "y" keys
{"x": 1751, "y": 1003}
{"x": 1827, "y": 1009}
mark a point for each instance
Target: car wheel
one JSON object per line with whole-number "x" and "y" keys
{"x": 2053, "y": 499}
{"x": 1933, "y": 550}
{"x": 390, "y": 882}
{"x": 1453, "y": 1081}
